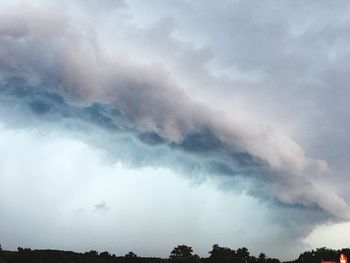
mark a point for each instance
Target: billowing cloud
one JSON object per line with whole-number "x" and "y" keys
{"x": 150, "y": 105}
{"x": 56, "y": 71}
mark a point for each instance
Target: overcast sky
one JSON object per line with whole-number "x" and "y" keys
{"x": 141, "y": 125}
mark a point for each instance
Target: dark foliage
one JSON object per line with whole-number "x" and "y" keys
{"x": 321, "y": 254}
{"x": 180, "y": 254}
{"x": 183, "y": 254}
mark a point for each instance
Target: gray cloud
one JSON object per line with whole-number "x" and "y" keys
{"x": 290, "y": 64}
{"x": 152, "y": 106}
{"x": 55, "y": 70}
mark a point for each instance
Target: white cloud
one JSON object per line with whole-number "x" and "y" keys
{"x": 329, "y": 235}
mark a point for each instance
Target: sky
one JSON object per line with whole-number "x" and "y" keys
{"x": 141, "y": 125}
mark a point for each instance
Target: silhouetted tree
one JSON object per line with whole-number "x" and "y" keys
{"x": 262, "y": 258}
{"x": 1, "y": 251}
{"x": 272, "y": 260}
{"x": 131, "y": 255}
{"x": 180, "y": 254}
{"x": 183, "y": 253}
{"x": 92, "y": 253}
{"x": 243, "y": 254}
{"x": 105, "y": 254}
{"x": 221, "y": 254}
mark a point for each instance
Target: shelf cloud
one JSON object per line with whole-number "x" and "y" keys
{"x": 56, "y": 69}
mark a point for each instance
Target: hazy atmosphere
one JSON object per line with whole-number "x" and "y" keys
{"x": 140, "y": 125}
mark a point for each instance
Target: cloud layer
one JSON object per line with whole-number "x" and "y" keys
{"x": 57, "y": 69}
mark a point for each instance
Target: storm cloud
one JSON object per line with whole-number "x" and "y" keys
{"x": 75, "y": 66}
{"x": 54, "y": 69}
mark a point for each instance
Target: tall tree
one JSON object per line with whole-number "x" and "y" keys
{"x": 183, "y": 254}
{"x": 221, "y": 254}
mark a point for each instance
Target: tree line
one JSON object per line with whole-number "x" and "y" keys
{"x": 180, "y": 254}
